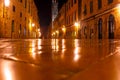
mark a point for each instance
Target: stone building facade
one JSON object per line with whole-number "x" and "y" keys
{"x": 19, "y": 19}
{"x": 98, "y": 19}
{"x": 59, "y": 23}
{"x": 64, "y": 22}
{"x": 71, "y": 18}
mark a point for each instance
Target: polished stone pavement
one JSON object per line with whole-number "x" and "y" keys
{"x": 64, "y": 59}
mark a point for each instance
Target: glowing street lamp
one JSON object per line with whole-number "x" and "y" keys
{"x": 118, "y": 9}
{"x": 57, "y": 32}
{"x": 63, "y": 29}
{"x": 76, "y": 24}
{"x": 53, "y": 33}
{"x": 33, "y": 25}
{"x": 7, "y": 3}
{"x": 38, "y": 30}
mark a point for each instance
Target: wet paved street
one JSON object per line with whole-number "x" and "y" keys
{"x": 36, "y": 59}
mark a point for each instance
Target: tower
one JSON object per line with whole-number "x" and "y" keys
{"x": 54, "y": 10}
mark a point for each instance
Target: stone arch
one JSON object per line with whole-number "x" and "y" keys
{"x": 100, "y": 24}
{"x": 111, "y": 26}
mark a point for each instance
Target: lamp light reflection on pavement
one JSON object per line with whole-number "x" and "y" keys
{"x": 63, "y": 48}
{"x": 32, "y": 50}
{"x": 7, "y": 71}
{"x": 39, "y": 44}
{"x": 63, "y": 44}
{"x": 76, "y": 54}
{"x": 77, "y": 51}
{"x": 55, "y": 43}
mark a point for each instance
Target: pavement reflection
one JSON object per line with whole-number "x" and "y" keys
{"x": 59, "y": 59}
{"x": 7, "y": 71}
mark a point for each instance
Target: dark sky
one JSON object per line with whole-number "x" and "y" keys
{"x": 44, "y": 12}
{"x": 44, "y": 8}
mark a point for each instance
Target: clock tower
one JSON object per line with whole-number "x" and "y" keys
{"x": 54, "y": 10}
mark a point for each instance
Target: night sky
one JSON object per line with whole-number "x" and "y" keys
{"x": 44, "y": 12}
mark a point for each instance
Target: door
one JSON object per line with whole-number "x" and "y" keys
{"x": 111, "y": 27}
{"x": 100, "y": 29}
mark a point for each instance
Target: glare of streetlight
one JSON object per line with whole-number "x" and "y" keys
{"x": 38, "y": 30}
{"x": 118, "y": 9}
{"x": 76, "y": 24}
{"x": 40, "y": 34}
{"x": 33, "y": 24}
{"x": 63, "y": 29}
{"x": 7, "y": 3}
{"x": 57, "y": 31}
{"x": 53, "y": 33}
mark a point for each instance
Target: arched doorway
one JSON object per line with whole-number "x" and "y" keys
{"x": 100, "y": 29}
{"x": 111, "y": 27}
{"x": 85, "y": 32}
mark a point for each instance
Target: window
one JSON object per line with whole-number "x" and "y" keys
{"x": 91, "y": 6}
{"x": 74, "y": 16}
{"x": 13, "y": 23}
{"x": 111, "y": 26}
{"x": 25, "y": 18}
{"x": 20, "y": 14}
{"x": 67, "y": 8}
{"x": 29, "y": 7}
{"x": 110, "y": 1}
{"x": 85, "y": 10}
{"x": 74, "y": 1}
{"x": 24, "y": 31}
{"x": 85, "y": 32}
{"x": 13, "y": 8}
{"x": 25, "y": 3}
{"x": 100, "y": 28}
{"x": 99, "y": 4}
{"x": 71, "y": 3}
{"x": 21, "y": 1}
{"x": 20, "y": 29}
{"x": 69, "y": 20}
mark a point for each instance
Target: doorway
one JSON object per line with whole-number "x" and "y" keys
{"x": 100, "y": 29}
{"x": 111, "y": 27}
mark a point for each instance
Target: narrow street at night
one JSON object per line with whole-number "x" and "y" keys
{"x": 59, "y": 59}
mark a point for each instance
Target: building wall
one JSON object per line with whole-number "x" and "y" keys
{"x": 54, "y": 11}
{"x": 23, "y": 15}
{"x": 59, "y": 23}
{"x": 92, "y": 24}
{"x": 66, "y": 19}
{"x": 71, "y": 18}
{"x": 95, "y": 22}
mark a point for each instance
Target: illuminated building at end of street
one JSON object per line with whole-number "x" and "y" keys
{"x": 99, "y": 19}
{"x": 17, "y": 19}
